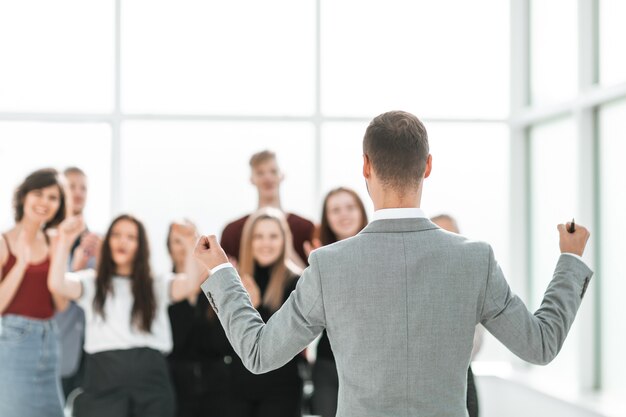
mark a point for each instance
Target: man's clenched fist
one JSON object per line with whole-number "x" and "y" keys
{"x": 209, "y": 252}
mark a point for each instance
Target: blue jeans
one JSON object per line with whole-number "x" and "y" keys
{"x": 29, "y": 368}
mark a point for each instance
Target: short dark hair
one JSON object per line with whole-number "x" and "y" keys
{"x": 73, "y": 170}
{"x": 261, "y": 157}
{"x": 396, "y": 144}
{"x": 37, "y": 180}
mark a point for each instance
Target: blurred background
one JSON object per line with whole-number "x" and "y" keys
{"x": 162, "y": 102}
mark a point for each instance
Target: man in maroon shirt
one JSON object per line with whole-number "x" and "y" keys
{"x": 266, "y": 177}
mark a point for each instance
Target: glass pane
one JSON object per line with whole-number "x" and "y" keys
{"x": 612, "y": 35}
{"x": 416, "y": 56}
{"x": 236, "y": 57}
{"x": 613, "y": 206}
{"x": 200, "y": 171}
{"x": 554, "y": 200}
{"x": 57, "y": 56}
{"x": 27, "y": 146}
{"x": 553, "y": 50}
{"x": 464, "y": 182}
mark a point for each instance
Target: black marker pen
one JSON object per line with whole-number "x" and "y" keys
{"x": 572, "y": 227}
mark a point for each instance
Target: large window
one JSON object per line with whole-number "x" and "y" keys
{"x": 162, "y": 103}
{"x": 567, "y": 125}
{"x": 183, "y": 92}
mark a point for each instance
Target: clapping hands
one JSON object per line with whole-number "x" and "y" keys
{"x": 186, "y": 232}
{"x": 71, "y": 228}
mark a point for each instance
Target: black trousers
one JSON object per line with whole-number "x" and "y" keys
{"x": 126, "y": 383}
{"x": 203, "y": 389}
{"x": 270, "y": 406}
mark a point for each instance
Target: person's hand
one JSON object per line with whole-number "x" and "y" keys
{"x": 71, "y": 228}
{"x": 23, "y": 250}
{"x": 573, "y": 242}
{"x": 89, "y": 247}
{"x": 309, "y": 247}
{"x": 209, "y": 252}
{"x": 186, "y": 231}
{"x": 253, "y": 290}
{"x": 90, "y": 243}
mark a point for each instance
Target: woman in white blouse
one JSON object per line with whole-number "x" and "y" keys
{"x": 127, "y": 329}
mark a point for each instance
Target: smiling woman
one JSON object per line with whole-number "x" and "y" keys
{"x": 28, "y": 335}
{"x": 269, "y": 277}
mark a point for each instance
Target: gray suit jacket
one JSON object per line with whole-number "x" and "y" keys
{"x": 400, "y": 302}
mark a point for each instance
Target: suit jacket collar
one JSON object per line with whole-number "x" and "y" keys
{"x": 400, "y": 225}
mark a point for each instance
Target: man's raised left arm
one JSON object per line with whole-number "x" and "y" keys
{"x": 261, "y": 346}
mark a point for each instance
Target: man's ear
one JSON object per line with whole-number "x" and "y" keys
{"x": 367, "y": 167}
{"x": 429, "y": 166}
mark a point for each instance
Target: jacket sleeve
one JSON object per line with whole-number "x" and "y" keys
{"x": 536, "y": 338}
{"x": 264, "y": 347}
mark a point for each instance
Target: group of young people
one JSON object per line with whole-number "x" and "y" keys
{"x": 128, "y": 342}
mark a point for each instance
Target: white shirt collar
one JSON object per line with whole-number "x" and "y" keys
{"x": 398, "y": 213}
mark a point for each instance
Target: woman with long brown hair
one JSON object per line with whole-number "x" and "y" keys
{"x": 29, "y": 357}
{"x": 269, "y": 277}
{"x": 127, "y": 329}
{"x": 343, "y": 216}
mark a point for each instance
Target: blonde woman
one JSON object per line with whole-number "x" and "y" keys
{"x": 269, "y": 277}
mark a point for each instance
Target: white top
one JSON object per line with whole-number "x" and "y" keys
{"x": 116, "y": 332}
